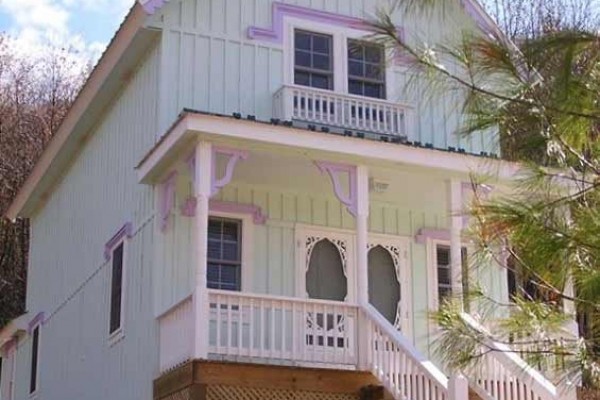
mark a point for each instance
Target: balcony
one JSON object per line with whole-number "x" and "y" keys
{"x": 344, "y": 111}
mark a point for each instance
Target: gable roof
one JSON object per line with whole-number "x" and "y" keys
{"x": 121, "y": 56}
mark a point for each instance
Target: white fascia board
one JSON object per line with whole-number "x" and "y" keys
{"x": 192, "y": 125}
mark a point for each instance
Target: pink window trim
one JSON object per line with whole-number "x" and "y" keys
{"x": 434, "y": 234}
{"x": 188, "y": 209}
{"x": 126, "y": 231}
{"x": 39, "y": 319}
{"x": 7, "y": 347}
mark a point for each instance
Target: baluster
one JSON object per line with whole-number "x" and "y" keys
{"x": 341, "y": 114}
{"x": 272, "y": 335}
{"x": 336, "y": 335}
{"x": 399, "y": 128}
{"x": 240, "y": 325}
{"x": 251, "y": 333}
{"x": 262, "y": 328}
{"x": 315, "y": 339}
{"x": 283, "y": 338}
{"x": 229, "y": 324}
{"x": 304, "y": 322}
{"x": 219, "y": 321}
{"x": 294, "y": 330}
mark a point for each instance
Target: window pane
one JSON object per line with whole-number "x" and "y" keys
{"x": 443, "y": 255}
{"x": 230, "y": 231}
{"x": 320, "y": 81}
{"x": 321, "y": 62}
{"x": 373, "y": 71}
{"x": 214, "y": 249}
{"x": 34, "y": 359}
{"x": 302, "y": 59}
{"x": 214, "y": 229}
{"x": 302, "y": 40}
{"x": 373, "y": 90}
{"x": 443, "y": 275}
{"x": 230, "y": 251}
{"x": 355, "y": 87}
{"x": 321, "y": 43}
{"x": 355, "y": 50}
{"x": 116, "y": 289}
{"x": 373, "y": 54}
{"x": 355, "y": 68}
{"x": 302, "y": 78}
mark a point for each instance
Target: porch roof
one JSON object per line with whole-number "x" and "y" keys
{"x": 193, "y": 125}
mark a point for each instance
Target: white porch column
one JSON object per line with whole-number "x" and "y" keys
{"x": 455, "y": 208}
{"x": 458, "y": 388}
{"x": 362, "y": 239}
{"x": 202, "y": 189}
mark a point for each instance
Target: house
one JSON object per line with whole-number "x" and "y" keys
{"x": 244, "y": 202}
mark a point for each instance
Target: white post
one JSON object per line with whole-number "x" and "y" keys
{"x": 455, "y": 208}
{"x": 458, "y": 388}
{"x": 202, "y": 188}
{"x": 362, "y": 238}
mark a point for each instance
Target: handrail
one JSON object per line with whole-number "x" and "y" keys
{"x": 510, "y": 372}
{"x": 400, "y": 367}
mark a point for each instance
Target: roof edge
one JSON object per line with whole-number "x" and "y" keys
{"x": 115, "y": 50}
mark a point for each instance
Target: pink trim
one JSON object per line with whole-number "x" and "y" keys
{"x": 281, "y": 10}
{"x": 126, "y": 231}
{"x": 152, "y": 6}
{"x": 434, "y": 234}
{"x": 188, "y": 209}
{"x": 39, "y": 319}
{"x": 234, "y": 156}
{"x": 334, "y": 170}
{"x": 167, "y": 199}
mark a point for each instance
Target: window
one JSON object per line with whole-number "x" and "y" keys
{"x": 224, "y": 254}
{"x": 524, "y": 285}
{"x": 366, "y": 69}
{"x": 35, "y": 349}
{"x": 313, "y": 60}
{"x": 116, "y": 289}
{"x": 444, "y": 274}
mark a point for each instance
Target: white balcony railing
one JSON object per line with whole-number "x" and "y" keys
{"x": 345, "y": 111}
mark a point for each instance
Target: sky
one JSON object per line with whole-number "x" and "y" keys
{"x": 85, "y": 26}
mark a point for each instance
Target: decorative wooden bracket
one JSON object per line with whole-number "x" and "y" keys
{"x": 234, "y": 156}
{"x": 335, "y": 172}
{"x": 218, "y": 183}
{"x": 167, "y": 199}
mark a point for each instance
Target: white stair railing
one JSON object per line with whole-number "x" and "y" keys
{"x": 502, "y": 375}
{"x": 401, "y": 369}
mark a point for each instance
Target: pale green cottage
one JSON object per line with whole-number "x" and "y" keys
{"x": 245, "y": 203}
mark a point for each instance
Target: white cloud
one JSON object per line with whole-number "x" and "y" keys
{"x": 39, "y": 24}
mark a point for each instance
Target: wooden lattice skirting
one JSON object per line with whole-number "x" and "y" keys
{"x": 223, "y": 392}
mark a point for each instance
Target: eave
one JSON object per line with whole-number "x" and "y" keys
{"x": 193, "y": 126}
{"x": 113, "y": 70}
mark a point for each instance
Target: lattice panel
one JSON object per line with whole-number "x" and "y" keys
{"x": 221, "y": 392}
{"x": 182, "y": 395}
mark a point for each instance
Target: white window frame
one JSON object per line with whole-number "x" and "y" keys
{"x": 118, "y": 334}
{"x": 35, "y": 393}
{"x": 247, "y": 242}
{"x": 340, "y": 53}
{"x": 432, "y": 267}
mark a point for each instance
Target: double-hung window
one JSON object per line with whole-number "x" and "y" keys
{"x": 313, "y": 60}
{"x": 224, "y": 254}
{"x": 444, "y": 273}
{"x": 366, "y": 69}
{"x": 116, "y": 289}
{"x": 359, "y": 68}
